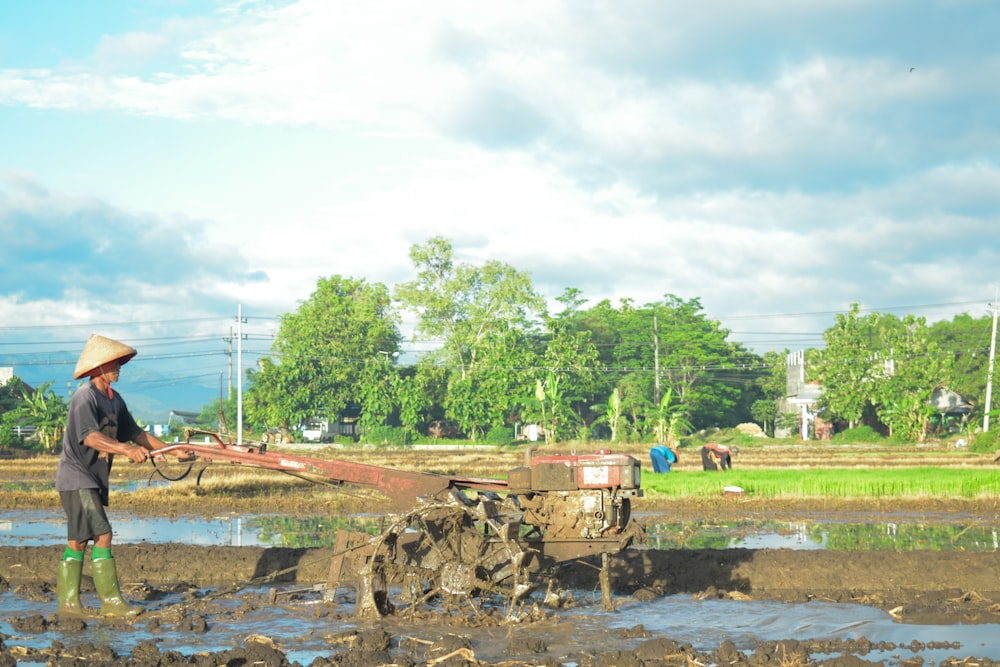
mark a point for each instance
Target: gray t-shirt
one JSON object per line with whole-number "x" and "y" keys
{"x": 81, "y": 467}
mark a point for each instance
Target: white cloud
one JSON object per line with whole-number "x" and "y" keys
{"x": 759, "y": 155}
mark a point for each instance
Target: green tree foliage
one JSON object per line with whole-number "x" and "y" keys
{"x": 46, "y": 411}
{"x": 551, "y": 410}
{"x": 915, "y": 368}
{"x": 12, "y": 394}
{"x": 672, "y": 345}
{"x": 15, "y": 411}
{"x": 848, "y": 366}
{"x": 486, "y": 395}
{"x": 482, "y": 315}
{"x": 571, "y": 360}
{"x": 964, "y": 344}
{"x": 503, "y": 360}
{"x": 881, "y": 365}
{"x": 705, "y": 371}
{"x": 765, "y": 411}
{"x": 614, "y": 417}
{"x": 773, "y": 376}
{"x": 414, "y": 401}
{"x": 220, "y": 414}
{"x": 670, "y": 420}
{"x": 378, "y": 391}
{"x": 464, "y": 305}
{"x": 319, "y": 355}
{"x": 771, "y": 383}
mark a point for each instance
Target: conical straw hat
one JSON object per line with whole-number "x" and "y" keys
{"x": 100, "y": 350}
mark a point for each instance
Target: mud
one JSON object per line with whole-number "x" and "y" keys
{"x": 204, "y": 592}
{"x": 212, "y": 583}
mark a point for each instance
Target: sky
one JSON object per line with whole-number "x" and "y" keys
{"x": 168, "y": 164}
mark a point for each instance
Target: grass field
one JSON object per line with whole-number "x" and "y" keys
{"x": 846, "y": 483}
{"x": 768, "y": 470}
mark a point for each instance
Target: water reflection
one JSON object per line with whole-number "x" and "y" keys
{"x": 33, "y": 528}
{"x": 42, "y": 527}
{"x": 836, "y": 536}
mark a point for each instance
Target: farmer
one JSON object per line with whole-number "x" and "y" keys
{"x": 98, "y": 426}
{"x": 662, "y": 458}
{"x": 723, "y": 453}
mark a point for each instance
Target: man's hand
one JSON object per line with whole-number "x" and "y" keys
{"x": 137, "y": 454}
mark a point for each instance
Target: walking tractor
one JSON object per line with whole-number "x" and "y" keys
{"x": 463, "y": 539}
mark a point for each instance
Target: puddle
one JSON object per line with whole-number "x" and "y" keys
{"x": 709, "y": 622}
{"x": 35, "y": 528}
{"x": 44, "y": 527}
{"x": 299, "y": 631}
{"x": 900, "y": 535}
{"x": 300, "y": 634}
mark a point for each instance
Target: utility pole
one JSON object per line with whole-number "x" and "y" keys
{"x": 229, "y": 353}
{"x": 222, "y": 413}
{"x": 989, "y": 378}
{"x": 239, "y": 374}
{"x": 656, "y": 363}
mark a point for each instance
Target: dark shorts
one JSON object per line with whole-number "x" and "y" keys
{"x": 85, "y": 516}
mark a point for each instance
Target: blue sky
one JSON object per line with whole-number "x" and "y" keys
{"x": 162, "y": 162}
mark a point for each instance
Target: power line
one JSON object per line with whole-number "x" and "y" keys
{"x": 130, "y": 323}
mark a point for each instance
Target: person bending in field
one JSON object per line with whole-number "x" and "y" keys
{"x": 717, "y": 457}
{"x": 99, "y": 425}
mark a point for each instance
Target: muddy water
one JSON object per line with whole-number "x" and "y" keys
{"x": 305, "y": 628}
{"x": 34, "y": 528}
{"x": 43, "y": 527}
{"x": 708, "y": 623}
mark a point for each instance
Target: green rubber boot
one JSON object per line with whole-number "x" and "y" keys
{"x": 106, "y": 582}
{"x": 68, "y": 587}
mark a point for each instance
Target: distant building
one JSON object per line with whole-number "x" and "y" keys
{"x": 800, "y": 396}
{"x": 953, "y": 409}
{"x": 6, "y": 374}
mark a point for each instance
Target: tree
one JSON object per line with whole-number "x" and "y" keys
{"x": 414, "y": 401}
{"x": 569, "y": 361}
{"x": 765, "y": 411}
{"x": 768, "y": 386}
{"x": 883, "y": 366}
{"x": 773, "y": 378}
{"x": 848, "y": 366}
{"x": 481, "y": 315}
{"x": 487, "y": 395}
{"x": 550, "y": 410}
{"x": 463, "y": 305}
{"x": 46, "y": 411}
{"x": 670, "y": 420}
{"x": 672, "y": 345}
{"x": 706, "y": 372}
{"x": 219, "y": 412}
{"x": 903, "y": 396}
{"x": 964, "y": 344}
{"x": 320, "y": 352}
{"x": 613, "y": 416}
{"x": 12, "y": 394}
{"x": 378, "y": 395}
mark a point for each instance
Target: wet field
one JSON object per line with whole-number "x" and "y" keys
{"x": 783, "y": 583}
{"x": 295, "y": 618}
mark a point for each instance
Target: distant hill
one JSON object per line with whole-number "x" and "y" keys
{"x": 150, "y": 395}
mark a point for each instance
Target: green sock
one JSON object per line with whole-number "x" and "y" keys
{"x": 72, "y": 554}
{"x": 101, "y": 553}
